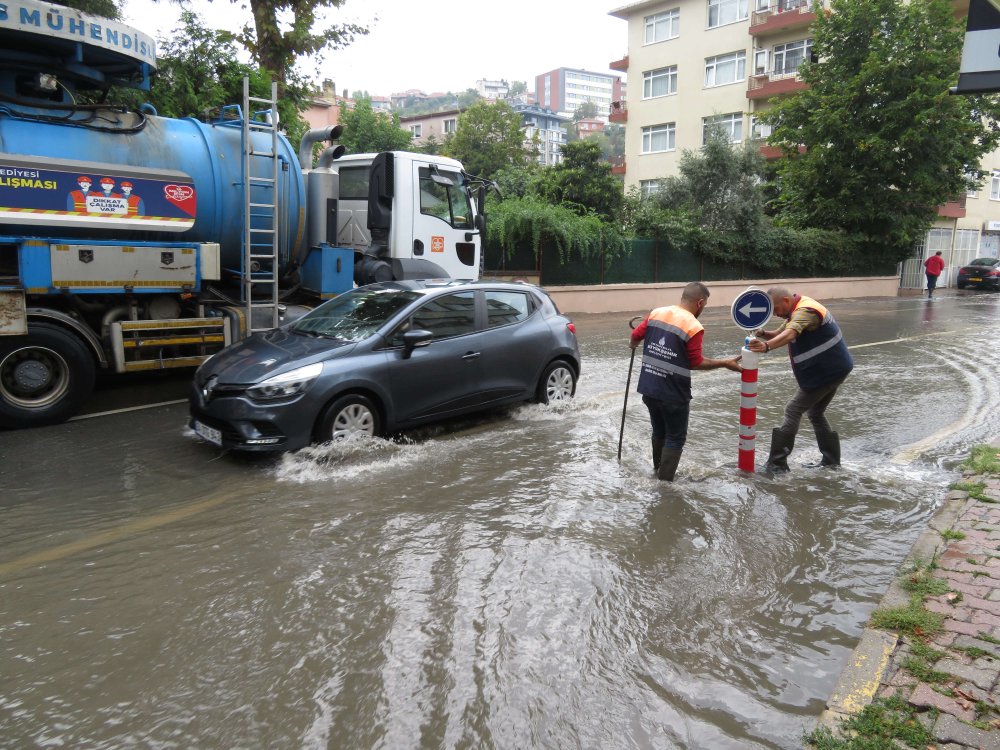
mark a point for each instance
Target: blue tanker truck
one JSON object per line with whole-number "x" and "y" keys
{"x": 133, "y": 242}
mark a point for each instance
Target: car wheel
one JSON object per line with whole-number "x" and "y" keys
{"x": 557, "y": 383}
{"x": 45, "y": 376}
{"x": 348, "y": 418}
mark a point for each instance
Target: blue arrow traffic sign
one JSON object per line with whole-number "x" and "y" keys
{"x": 752, "y": 309}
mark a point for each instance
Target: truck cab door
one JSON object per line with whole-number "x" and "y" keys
{"x": 444, "y": 227}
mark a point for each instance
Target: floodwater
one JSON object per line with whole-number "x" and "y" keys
{"x": 500, "y": 582}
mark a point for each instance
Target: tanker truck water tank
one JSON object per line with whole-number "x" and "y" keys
{"x": 164, "y": 180}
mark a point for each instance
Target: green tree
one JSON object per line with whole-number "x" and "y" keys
{"x": 488, "y": 137}
{"x": 107, "y": 8}
{"x": 368, "y": 131}
{"x": 517, "y": 88}
{"x": 885, "y": 143}
{"x": 582, "y": 181}
{"x": 282, "y": 32}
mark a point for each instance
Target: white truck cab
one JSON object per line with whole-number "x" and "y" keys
{"x": 440, "y": 227}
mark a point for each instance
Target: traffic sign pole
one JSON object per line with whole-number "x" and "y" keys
{"x": 748, "y": 409}
{"x": 751, "y": 310}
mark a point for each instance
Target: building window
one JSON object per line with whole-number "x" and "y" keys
{"x": 416, "y": 130}
{"x": 725, "y": 69}
{"x": 450, "y": 125}
{"x": 649, "y": 187}
{"x": 721, "y": 12}
{"x": 658, "y": 138}
{"x": 663, "y": 26}
{"x": 731, "y": 125}
{"x": 788, "y": 57}
{"x": 759, "y": 129}
{"x": 995, "y": 186}
{"x": 659, "y": 82}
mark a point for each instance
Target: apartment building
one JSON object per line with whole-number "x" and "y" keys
{"x": 697, "y": 63}
{"x": 549, "y": 128}
{"x": 437, "y": 124}
{"x": 564, "y": 89}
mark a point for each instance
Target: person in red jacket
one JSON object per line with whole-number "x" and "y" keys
{"x": 671, "y": 338}
{"x": 934, "y": 265}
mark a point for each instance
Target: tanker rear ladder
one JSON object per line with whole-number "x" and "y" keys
{"x": 259, "y": 261}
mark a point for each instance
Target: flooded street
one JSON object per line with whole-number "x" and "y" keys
{"x": 499, "y": 582}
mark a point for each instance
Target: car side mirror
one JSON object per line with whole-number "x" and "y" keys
{"x": 413, "y": 339}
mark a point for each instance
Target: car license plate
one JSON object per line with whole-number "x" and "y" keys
{"x": 973, "y": 278}
{"x": 210, "y": 434}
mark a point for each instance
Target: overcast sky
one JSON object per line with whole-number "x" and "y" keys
{"x": 441, "y": 45}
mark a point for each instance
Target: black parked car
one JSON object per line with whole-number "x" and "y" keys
{"x": 385, "y": 357}
{"x": 982, "y": 272}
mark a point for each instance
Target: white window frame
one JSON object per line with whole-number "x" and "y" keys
{"x": 416, "y": 130}
{"x": 731, "y": 122}
{"x": 758, "y": 129}
{"x": 671, "y": 18}
{"x": 760, "y": 57}
{"x": 668, "y": 130}
{"x": 449, "y": 126}
{"x": 712, "y": 65}
{"x": 781, "y": 51}
{"x": 724, "y": 11}
{"x": 652, "y": 77}
{"x": 995, "y": 185}
{"x": 649, "y": 187}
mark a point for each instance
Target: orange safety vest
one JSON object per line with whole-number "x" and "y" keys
{"x": 666, "y": 369}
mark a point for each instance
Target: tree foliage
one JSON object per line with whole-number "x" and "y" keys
{"x": 582, "y": 181}
{"x": 106, "y": 8}
{"x": 488, "y": 137}
{"x": 885, "y": 143}
{"x": 719, "y": 188}
{"x": 282, "y": 31}
{"x": 536, "y": 223}
{"x": 369, "y": 131}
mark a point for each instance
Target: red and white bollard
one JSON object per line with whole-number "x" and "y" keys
{"x": 748, "y": 408}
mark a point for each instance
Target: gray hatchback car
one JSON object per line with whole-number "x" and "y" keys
{"x": 385, "y": 357}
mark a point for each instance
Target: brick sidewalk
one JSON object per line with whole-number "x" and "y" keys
{"x": 957, "y": 696}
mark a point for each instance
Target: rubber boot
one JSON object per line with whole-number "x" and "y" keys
{"x": 829, "y": 446}
{"x": 657, "y": 452}
{"x": 668, "y": 464}
{"x": 781, "y": 449}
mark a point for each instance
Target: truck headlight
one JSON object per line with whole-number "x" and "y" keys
{"x": 286, "y": 384}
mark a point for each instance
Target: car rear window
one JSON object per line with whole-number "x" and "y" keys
{"x": 983, "y": 262}
{"x": 504, "y": 308}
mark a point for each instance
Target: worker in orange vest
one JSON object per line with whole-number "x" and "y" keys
{"x": 672, "y": 339}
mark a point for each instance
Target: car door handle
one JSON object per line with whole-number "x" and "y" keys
{"x": 471, "y": 355}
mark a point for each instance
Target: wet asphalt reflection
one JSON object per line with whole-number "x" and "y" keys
{"x": 501, "y": 581}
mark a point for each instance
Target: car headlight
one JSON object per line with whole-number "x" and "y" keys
{"x": 286, "y": 384}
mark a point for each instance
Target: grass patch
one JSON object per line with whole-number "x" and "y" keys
{"x": 880, "y": 726}
{"x": 974, "y": 652}
{"x": 951, "y": 534}
{"x": 924, "y": 671}
{"x": 984, "y": 636}
{"x": 920, "y": 581}
{"x": 983, "y": 460}
{"x": 912, "y": 620}
{"x": 976, "y": 490}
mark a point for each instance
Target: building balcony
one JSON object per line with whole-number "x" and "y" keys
{"x": 617, "y": 165}
{"x": 766, "y": 85}
{"x": 774, "y": 152}
{"x": 785, "y": 15}
{"x": 618, "y": 112}
{"x": 953, "y": 209}
{"x": 620, "y": 65}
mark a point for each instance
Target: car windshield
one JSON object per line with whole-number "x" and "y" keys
{"x": 354, "y": 315}
{"x": 984, "y": 262}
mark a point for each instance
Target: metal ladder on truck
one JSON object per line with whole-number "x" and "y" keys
{"x": 259, "y": 267}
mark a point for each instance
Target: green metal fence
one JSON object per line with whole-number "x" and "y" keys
{"x": 645, "y": 262}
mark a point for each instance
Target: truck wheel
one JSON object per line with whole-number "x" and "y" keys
{"x": 45, "y": 377}
{"x": 349, "y": 417}
{"x": 557, "y": 383}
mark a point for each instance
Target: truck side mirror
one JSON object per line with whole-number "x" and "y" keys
{"x": 380, "y": 192}
{"x": 481, "y": 223}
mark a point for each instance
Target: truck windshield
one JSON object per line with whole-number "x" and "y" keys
{"x": 450, "y": 203}
{"x": 354, "y": 315}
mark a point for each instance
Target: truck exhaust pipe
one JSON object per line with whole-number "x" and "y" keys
{"x": 316, "y": 135}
